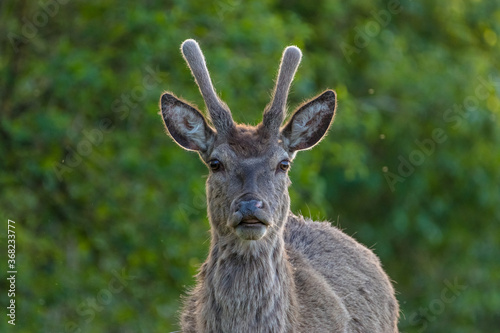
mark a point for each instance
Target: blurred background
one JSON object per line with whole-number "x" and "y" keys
{"x": 111, "y": 216}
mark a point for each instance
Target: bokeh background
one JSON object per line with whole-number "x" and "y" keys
{"x": 110, "y": 213}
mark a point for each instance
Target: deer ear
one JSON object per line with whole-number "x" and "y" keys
{"x": 310, "y": 122}
{"x": 185, "y": 124}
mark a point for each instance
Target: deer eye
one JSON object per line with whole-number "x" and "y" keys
{"x": 215, "y": 165}
{"x": 284, "y": 165}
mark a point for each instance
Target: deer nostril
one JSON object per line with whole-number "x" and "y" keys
{"x": 249, "y": 207}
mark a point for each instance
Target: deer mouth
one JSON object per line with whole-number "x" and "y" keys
{"x": 251, "y": 228}
{"x": 249, "y": 222}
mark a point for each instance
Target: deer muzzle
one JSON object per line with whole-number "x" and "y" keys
{"x": 249, "y": 218}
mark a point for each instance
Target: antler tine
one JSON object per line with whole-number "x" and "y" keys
{"x": 274, "y": 115}
{"x": 219, "y": 112}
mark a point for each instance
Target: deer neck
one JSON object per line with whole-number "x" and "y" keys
{"x": 249, "y": 286}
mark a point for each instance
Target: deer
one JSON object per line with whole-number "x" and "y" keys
{"x": 267, "y": 269}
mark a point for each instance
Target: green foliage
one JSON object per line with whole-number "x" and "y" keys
{"x": 110, "y": 213}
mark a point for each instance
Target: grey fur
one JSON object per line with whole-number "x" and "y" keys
{"x": 269, "y": 270}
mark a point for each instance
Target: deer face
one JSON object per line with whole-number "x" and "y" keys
{"x": 247, "y": 188}
{"x": 247, "y": 185}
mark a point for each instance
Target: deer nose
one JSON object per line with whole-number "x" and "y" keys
{"x": 248, "y": 208}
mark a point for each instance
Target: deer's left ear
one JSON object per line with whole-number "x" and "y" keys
{"x": 310, "y": 122}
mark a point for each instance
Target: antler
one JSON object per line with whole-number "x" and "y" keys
{"x": 274, "y": 115}
{"x": 219, "y": 112}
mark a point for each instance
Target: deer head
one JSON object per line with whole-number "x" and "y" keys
{"x": 247, "y": 188}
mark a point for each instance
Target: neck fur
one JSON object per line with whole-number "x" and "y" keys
{"x": 249, "y": 286}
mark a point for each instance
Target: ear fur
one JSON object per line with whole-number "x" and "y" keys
{"x": 185, "y": 124}
{"x": 310, "y": 122}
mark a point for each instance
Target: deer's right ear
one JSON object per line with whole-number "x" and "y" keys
{"x": 185, "y": 124}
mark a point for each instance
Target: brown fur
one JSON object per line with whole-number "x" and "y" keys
{"x": 269, "y": 270}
